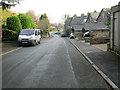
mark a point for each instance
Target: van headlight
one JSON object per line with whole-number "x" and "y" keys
{"x": 19, "y": 38}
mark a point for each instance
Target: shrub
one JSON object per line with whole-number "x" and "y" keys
{"x": 9, "y": 34}
{"x": 13, "y": 23}
{"x": 26, "y": 21}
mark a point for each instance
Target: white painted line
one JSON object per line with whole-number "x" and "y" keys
{"x": 115, "y": 53}
{"x": 105, "y": 77}
{"x": 10, "y": 51}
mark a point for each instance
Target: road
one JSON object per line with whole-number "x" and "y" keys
{"x": 55, "y": 63}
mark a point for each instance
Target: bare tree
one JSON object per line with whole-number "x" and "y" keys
{"x": 31, "y": 13}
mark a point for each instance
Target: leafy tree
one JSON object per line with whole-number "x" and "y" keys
{"x": 43, "y": 16}
{"x": 9, "y": 3}
{"x": 5, "y": 14}
{"x": 13, "y": 23}
{"x": 83, "y": 30}
{"x": 25, "y": 21}
{"x": 44, "y": 24}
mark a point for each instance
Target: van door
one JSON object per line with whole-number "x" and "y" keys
{"x": 39, "y": 34}
{"x": 36, "y": 36}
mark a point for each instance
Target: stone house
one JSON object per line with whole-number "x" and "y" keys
{"x": 115, "y": 28}
{"x": 104, "y": 16}
{"x": 75, "y": 20}
{"x": 92, "y": 16}
{"x": 96, "y": 29}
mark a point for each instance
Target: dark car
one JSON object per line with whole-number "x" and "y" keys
{"x": 63, "y": 35}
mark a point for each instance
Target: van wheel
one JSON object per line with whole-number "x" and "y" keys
{"x": 34, "y": 43}
{"x": 39, "y": 42}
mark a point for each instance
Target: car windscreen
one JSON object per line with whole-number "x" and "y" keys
{"x": 27, "y": 32}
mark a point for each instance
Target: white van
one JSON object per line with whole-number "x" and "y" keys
{"x": 29, "y": 36}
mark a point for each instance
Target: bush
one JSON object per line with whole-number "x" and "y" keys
{"x": 26, "y": 21}
{"x": 13, "y": 23}
{"x": 9, "y": 35}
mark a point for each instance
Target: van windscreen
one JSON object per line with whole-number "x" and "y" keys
{"x": 27, "y": 32}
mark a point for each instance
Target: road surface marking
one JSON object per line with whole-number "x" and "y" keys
{"x": 10, "y": 51}
{"x": 115, "y": 87}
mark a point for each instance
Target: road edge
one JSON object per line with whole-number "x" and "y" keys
{"x": 10, "y": 51}
{"x": 104, "y": 76}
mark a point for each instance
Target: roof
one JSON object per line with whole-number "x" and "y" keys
{"x": 78, "y": 20}
{"x": 93, "y": 15}
{"x": 106, "y": 11}
{"x": 91, "y": 26}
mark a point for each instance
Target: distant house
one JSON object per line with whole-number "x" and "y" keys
{"x": 92, "y": 16}
{"x": 104, "y": 16}
{"x": 115, "y": 28}
{"x": 78, "y": 20}
{"x": 75, "y": 20}
{"x": 96, "y": 29}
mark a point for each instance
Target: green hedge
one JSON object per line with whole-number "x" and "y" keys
{"x": 13, "y": 23}
{"x": 26, "y": 21}
{"x": 9, "y": 35}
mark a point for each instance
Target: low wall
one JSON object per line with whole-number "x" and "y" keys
{"x": 100, "y": 40}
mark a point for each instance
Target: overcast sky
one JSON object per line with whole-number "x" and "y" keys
{"x": 55, "y": 9}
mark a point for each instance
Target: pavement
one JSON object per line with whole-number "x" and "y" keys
{"x": 9, "y": 46}
{"x": 107, "y": 61}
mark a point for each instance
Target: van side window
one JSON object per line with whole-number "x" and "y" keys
{"x": 39, "y": 32}
{"x": 36, "y": 33}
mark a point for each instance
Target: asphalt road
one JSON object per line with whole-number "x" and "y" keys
{"x": 55, "y": 63}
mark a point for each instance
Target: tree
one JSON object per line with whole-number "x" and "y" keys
{"x": 26, "y": 21}
{"x": 43, "y": 16}
{"x": 83, "y": 30}
{"x": 9, "y": 3}
{"x": 44, "y": 24}
{"x": 13, "y": 23}
{"x": 33, "y": 16}
{"x": 5, "y": 14}
{"x": 65, "y": 17}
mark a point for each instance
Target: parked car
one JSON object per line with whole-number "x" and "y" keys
{"x": 63, "y": 35}
{"x": 86, "y": 34}
{"x": 72, "y": 36}
{"x": 29, "y": 37}
{"x": 57, "y": 32}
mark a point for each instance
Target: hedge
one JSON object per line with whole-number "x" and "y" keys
{"x": 13, "y": 23}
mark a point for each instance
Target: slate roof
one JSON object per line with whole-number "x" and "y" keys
{"x": 93, "y": 15}
{"x": 78, "y": 20}
{"x": 106, "y": 12}
{"x": 91, "y": 26}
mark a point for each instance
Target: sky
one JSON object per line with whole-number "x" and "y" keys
{"x": 56, "y": 9}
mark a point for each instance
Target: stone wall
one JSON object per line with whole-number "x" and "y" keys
{"x": 100, "y": 33}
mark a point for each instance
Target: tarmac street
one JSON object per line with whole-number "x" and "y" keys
{"x": 55, "y": 63}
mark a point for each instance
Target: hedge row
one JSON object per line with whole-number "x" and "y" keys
{"x": 15, "y": 23}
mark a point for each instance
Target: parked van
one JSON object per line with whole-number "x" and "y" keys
{"x": 29, "y": 37}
